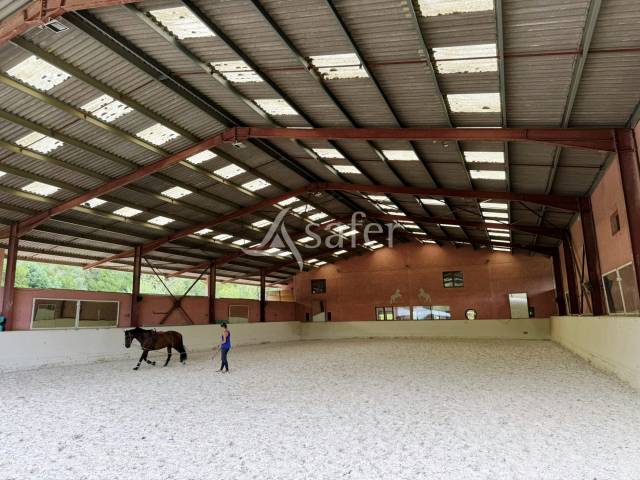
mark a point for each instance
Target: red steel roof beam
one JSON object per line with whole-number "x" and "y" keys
{"x": 601, "y": 139}
{"x": 41, "y": 12}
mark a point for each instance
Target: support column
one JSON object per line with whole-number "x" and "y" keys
{"x": 592, "y": 256}
{"x": 135, "y": 290}
{"x": 626, "y": 147}
{"x": 557, "y": 276}
{"x": 263, "y": 294}
{"x": 574, "y": 307}
{"x": 10, "y": 277}
{"x": 212, "y": 292}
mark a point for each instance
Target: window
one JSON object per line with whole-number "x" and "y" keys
{"x": 441, "y": 312}
{"x": 402, "y": 313}
{"x": 56, "y": 313}
{"x": 319, "y": 286}
{"x": 452, "y": 279}
{"x": 385, "y": 313}
{"x": 615, "y": 223}
{"x": 98, "y": 314}
{"x": 421, "y": 313}
{"x": 621, "y": 290}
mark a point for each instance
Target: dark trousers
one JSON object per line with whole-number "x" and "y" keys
{"x": 223, "y": 357}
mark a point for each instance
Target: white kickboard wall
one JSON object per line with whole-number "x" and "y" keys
{"x": 37, "y": 348}
{"x": 611, "y": 343}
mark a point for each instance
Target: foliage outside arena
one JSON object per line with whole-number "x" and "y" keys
{"x": 46, "y": 275}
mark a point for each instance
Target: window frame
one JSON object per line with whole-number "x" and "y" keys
{"x": 618, "y": 279}
{"x": 453, "y": 279}
{"x": 324, "y": 285}
{"x": 76, "y": 319}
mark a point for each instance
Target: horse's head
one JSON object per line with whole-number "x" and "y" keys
{"x": 128, "y": 338}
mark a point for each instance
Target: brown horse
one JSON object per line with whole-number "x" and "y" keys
{"x": 152, "y": 340}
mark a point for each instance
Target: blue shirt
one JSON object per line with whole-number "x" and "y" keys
{"x": 226, "y": 343}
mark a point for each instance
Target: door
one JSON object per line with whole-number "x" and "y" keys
{"x": 318, "y": 311}
{"x": 519, "y": 304}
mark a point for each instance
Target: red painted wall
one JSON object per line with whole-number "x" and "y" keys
{"x": 357, "y": 285}
{"x": 152, "y": 307}
{"x": 614, "y": 249}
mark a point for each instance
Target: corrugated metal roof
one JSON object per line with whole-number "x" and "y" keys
{"x": 542, "y": 44}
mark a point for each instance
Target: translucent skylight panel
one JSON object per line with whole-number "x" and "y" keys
{"x": 347, "y": 169}
{"x": 376, "y": 246}
{"x": 499, "y": 234}
{"x": 412, "y": 226}
{"x": 317, "y": 216}
{"x": 406, "y": 155}
{"x": 312, "y": 260}
{"x": 229, "y": 171}
{"x": 106, "y": 108}
{"x": 484, "y": 157}
{"x": 474, "y": 102}
{"x": 341, "y": 228}
{"x": 204, "y": 231}
{"x": 157, "y": 134}
{"x": 176, "y": 192}
{"x": 368, "y": 244}
{"x": 490, "y": 214}
{"x": 339, "y": 66}
{"x": 272, "y": 250}
{"x": 432, "y": 201}
{"x": 160, "y": 220}
{"x": 241, "y": 241}
{"x": 494, "y": 206}
{"x": 350, "y": 233}
{"x": 94, "y": 202}
{"x": 288, "y": 201}
{"x": 488, "y": 174}
{"x": 222, "y": 236}
{"x": 40, "y": 188}
{"x": 236, "y": 71}
{"x": 379, "y": 198}
{"x": 502, "y": 249}
{"x": 127, "y": 212}
{"x": 466, "y": 58}
{"x": 327, "y": 153}
{"x": 339, "y": 252}
{"x": 40, "y": 143}
{"x": 449, "y": 225}
{"x": 275, "y": 106}
{"x": 181, "y": 22}
{"x": 284, "y": 254}
{"x": 261, "y": 223}
{"x": 431, "y": 8}
{"x": 255, "y": 185}
{"x": 499, "y": 240}
{"x": 305, "y": 239}
{"x": 304, "y": 208}
{"x": 198, "y": 158}
{"x": 319, "y": 264}
{"x": 39, "y": 74}
{"x": 388, "y": 207}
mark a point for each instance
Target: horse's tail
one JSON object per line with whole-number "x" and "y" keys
{"x": 180, "y": 348}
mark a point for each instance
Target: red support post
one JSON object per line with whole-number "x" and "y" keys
{"x": 212, "y": 292}
{"x": 135, "y": 290}
{"x": 8, "y": 296}
{"x": 263, "y": 294}
{"x": 569, "y": 267}
{"x": 626, "y": 146}
{"x": 557, "y": 276}
{"x": 592, "y": 256}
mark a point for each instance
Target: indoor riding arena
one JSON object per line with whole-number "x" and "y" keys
{"x": 320, "y": 239}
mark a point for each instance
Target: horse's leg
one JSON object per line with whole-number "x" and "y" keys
{"x": 168, "y": 356}
{"x": 149, "y": 361}
{"x": 142, "y": 357}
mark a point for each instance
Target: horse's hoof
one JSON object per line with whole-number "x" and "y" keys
{"x": 136, "y": 368}
{"x": 153, "y": 363}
